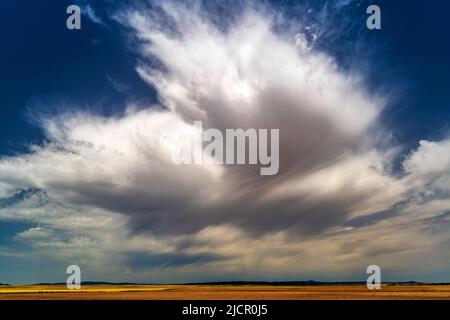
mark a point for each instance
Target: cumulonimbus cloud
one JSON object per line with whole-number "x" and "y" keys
{"x": 244, "y": 75}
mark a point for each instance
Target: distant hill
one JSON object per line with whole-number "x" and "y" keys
{"x": 256, "y": 283}
{"x": 259, "y": 283}
{"x": 306, "y": 283}
{"x": 93, "y": 283}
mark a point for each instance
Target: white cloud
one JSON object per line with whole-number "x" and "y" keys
{"x": 430, "y": 161}
{"x": 89, "y": 11}
{"x": 108, "y": 187}
{"x": 34, "y": 233}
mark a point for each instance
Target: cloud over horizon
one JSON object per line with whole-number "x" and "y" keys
{"x": 106, "y": 187}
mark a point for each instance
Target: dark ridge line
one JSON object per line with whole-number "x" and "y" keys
{"x": 255, "y": 283}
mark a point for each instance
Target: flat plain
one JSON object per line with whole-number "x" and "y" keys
{"x": 224, "y": 292}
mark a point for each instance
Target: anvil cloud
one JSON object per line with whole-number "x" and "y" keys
{"x": 106, "y": 187}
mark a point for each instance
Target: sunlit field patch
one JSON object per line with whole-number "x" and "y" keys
{"x": 225, "y": 292}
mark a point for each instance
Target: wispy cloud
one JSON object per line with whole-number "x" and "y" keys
{"x": 108, "y": 187}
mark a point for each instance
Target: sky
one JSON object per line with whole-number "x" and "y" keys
{"x": 364, "y": 120}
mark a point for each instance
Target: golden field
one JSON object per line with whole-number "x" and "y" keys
{"x": 224, "y": 292}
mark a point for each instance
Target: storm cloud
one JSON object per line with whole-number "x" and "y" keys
{"x": 335, "y": 163}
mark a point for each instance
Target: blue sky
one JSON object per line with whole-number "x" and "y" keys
{"x": 102, "y": 72}
{"x": 44, "y": 63}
